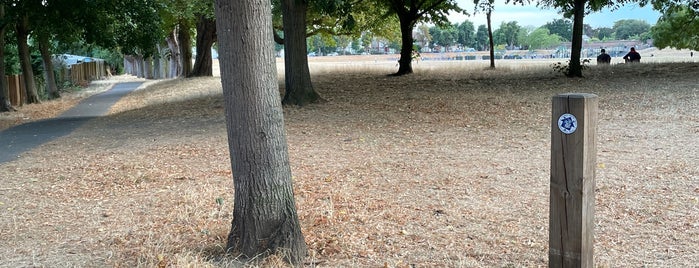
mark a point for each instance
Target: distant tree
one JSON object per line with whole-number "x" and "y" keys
{"x": 409, "y": 13}
{"x": 445, "y": 35}
{"x": 541, "y": 39}
{"x": 507, "y": 34}
{"x": 561, "y": 27}
{"x": 605, "y": 33}
{"x": 482, "y": 37}
{"x": 466, "y": 34}
{"x": 588, "y": 30}
{"x": 265, "y": 220}
{"x": 487, "y": 6}
{"x": 422, "y": 35}
{"x": 678, "y": 26}
{"x": 626, "y": 29}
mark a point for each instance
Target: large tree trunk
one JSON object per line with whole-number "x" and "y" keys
{"x": 49, "y": 76}
{"x": 297, "y": 77}
{"x": 491, "y": 43}
{"x": 25, "y": 60}
{"x": 406, "y": 50}
{"x": 184, "y": 38}
{"x": 575, "y": 67}
{"x": 5, "y": 104}
{"x": 175, "y": 67}
{"x": 264, "y": 213}
{"x": 206, "y": 36}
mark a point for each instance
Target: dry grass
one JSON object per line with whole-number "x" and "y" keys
{"x": 447, "y": 167}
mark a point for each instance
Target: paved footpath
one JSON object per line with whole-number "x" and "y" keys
{"x": 19, "y": 139}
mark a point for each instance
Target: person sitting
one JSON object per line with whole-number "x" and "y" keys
{"x": 632, "y": 56}
{"x": 604, "y": 58}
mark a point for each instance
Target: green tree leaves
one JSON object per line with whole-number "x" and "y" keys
{"x": 678, "y": 28}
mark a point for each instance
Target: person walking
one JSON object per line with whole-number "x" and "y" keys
{"x": 632, "y": 56}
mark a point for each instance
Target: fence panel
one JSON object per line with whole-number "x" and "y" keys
{"x": 17, "y": 92}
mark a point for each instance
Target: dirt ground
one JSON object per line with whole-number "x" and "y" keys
{"x": 448, "y": 167}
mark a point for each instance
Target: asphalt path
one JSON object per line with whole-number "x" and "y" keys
{"x": 16, "y": 140}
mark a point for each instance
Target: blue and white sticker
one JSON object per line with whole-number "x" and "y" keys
{"x": 567, "y": 123}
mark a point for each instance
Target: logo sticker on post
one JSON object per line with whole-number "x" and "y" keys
{"x": 567, "y": 123}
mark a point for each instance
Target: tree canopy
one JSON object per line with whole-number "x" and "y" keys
{"x": 678, "y": 27}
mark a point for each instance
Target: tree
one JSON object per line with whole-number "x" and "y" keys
{"x": 541, "y": 39}
{"x": 422, "y": 35}
{"x": 488, "y": 6}
{"x": 297, "y": 77}
{"x": 577, "y": 10}
{"x": 409, "y": 13}
{"x": 678, "y": 27}
{"x": 626, "y": 29}
{"x": 5, "y": 105}
{"x": 482, "y": 37}
{"x": 264, "y": 212}
{"x": 507, "y": 34}
{"x": 561, "y": 27}
{"x": 466, "y": 34}
{"x": 206, "y": 37}
{"x": 22, "y": 30}
{"x": 444, "y": 35}
{"x": 604, "y": 33}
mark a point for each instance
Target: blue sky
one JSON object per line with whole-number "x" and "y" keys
{"x": 534, "y": 16}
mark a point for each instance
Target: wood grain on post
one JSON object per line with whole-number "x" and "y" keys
{"x": 573, "y": 163}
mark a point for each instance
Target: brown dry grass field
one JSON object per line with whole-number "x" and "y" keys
{"x": 448, "y": 167}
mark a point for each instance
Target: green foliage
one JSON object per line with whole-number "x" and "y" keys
{"x": 466, "y": 34}
{"x": 11, "y": 59}
{"x": 445, "y": 35}
{"x": 481, "y": 37}
{"x": 561, "y": 27}
{"x": 626, "y": 29}
{"x": 541, "y": 39}
{"x": 605, "y": 33}
{"x": 507, "y": 34}
{"x": 678, "y": 28}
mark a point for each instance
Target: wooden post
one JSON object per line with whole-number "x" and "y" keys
{"x": 573, "y": 163}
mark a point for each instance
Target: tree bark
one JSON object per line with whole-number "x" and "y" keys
{"x": 148, "y": 67}
{"x": 206, "y": 36}
{"x": 5, "y": 105}
{"x": 157, "y": 64}
{"x": 264, "y": 214}
{"x": 49, "y": 76}
{"x": 25, "y": 60}
{"x": 406, "y": 51}
{"x": 184, "y": 39}
{"x": 575, "y": 67}
{"x": 491, "y": 43}
{"x": 297, "y": 77}
{"x": 175, "y": 66}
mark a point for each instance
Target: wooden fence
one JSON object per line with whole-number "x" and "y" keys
{"x": 83, "y": 73}
{"x": 17, "y": 92}
{"x": 80, "y": 74}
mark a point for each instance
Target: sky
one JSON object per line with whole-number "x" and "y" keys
{"x": 534, "y": 16}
